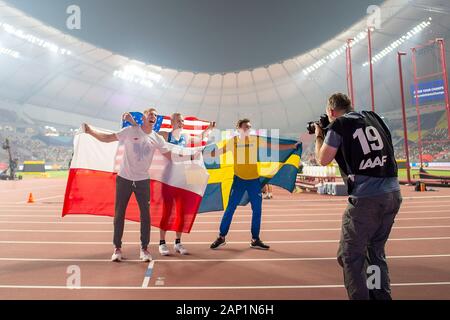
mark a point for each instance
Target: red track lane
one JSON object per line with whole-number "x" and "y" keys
{"x": 37, "y": 246}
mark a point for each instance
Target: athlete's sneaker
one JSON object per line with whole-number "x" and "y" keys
{"x": 145, "y": 255}
{"x": 117, "y": 255}
{"x": 265, "y": 196}
{"x": 180, "y": 249}
{"x": 164, "y": 250}
{"x": 218, "y": 243}
{"x": 270, "y": 196}
{"x": 258, "y": 244}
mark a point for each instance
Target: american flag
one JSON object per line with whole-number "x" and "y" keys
{"x": 193, "y": 127}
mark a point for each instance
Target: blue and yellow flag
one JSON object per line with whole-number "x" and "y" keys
{"x": 275, "y": 166}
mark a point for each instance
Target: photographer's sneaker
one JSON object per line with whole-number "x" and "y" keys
{"x": 180, "y": 249}
{"x": 164, "y": 250}
{"x": 145, "y": 255}
{"x": 258, "y": 244}
{"x": 117, "y": 255}
{"x": 218, "y": 243}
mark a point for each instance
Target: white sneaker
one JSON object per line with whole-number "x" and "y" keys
{"x": 180, "y": 249}
{"x": 164, "y": 250}
{"x": 145, "y": 255}
{"x": 117, "y": 255}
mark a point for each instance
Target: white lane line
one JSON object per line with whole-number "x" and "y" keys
{"x": 19, "y": 205}
{"x": 239, "y": 213}
{"x": 404, "y": 198}
{"x": 204, "y": 231}
{"x": 172, "y": 288}
{"x": 428, "y": 256}
{"x": 424, "y": 197}
{"x": 344, "y": 199}
{"x": 206, "y": 216}
{"x": 148, "y": 274}
{"x": 323, "y": 220}
{"x": 275, "y": 201}
{"x": 40, "y": 199}
{"x": 332, "y": 286}
{"x": 420, "y": 284}
{"x": 210, "y": 222}
{"x": 315, "y": 208}
{"x": 31, "y": 188}
{"x": 44, "y": 205}
{"x": 30, "y": 216}
{"x": 266, "y": 205}
{"x": 205, "y": 243}
{"x": 29, "y": 208}
{"x": 409, "y": 205}
{"x": 32, "y": 207}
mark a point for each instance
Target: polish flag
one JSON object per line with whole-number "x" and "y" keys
{"x": 176, "y": 187}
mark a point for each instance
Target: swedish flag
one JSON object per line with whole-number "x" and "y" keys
{"x": 275, "y": 166}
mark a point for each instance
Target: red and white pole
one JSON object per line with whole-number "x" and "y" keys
{"x": 416, "y": 89}
{"x": 372, "y": 92}
{"x": 405, "y": 128}
{"x": 350, "y": 72}
{"x": 441, "y": 43}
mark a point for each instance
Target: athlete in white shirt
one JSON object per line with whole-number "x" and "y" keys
{"x": 140, "y": 144}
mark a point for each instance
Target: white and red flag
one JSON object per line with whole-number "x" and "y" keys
{"x": 176, "y": 186}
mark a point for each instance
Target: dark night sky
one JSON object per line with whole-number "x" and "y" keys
{"x": 204, "y": 35}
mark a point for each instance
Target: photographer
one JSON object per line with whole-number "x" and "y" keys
{"x": 362, "y": 146}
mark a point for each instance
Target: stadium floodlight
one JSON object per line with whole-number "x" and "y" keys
{"x": 20, "y": 34}
{"x": 361, "y": 36}
{"x": 395, "y": 44}
{"x": 9, "y": 52}
{"x": 135, "y": 74}
{"x": 333, "y": 55}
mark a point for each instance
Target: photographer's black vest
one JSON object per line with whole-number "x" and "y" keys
{"x": 366, "y": 147}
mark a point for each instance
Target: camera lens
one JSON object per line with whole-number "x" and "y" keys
{"x": 311, "y": 128}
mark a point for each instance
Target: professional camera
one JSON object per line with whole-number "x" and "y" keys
{"x": 323, "y": 123}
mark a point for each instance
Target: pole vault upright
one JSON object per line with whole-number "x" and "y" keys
{"x": 417, "y": 102}
{"x": 350, "y": 71}
{"x": 372, "y": 92}
{"x": 441, "y": 74}
{"x": 441, "y": 43}
{"x": 405, "y": 125}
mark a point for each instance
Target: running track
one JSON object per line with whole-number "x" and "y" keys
{"x": 37, "y": 246}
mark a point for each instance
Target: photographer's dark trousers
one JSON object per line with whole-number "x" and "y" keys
{"x": 124, "y": 189}
{"x": 366, "y": 225}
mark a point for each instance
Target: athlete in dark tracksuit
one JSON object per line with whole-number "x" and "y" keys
{"x": 362, "y": 146}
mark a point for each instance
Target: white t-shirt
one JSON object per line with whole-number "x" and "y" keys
{"x": 139, "y": 150}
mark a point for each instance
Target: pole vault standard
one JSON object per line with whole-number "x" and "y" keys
{"x": 443, "y": 73}
{"x": 350, "y": 71}
{"x": 441, "y": 43}
{"x": 405, "y": 128}
{"x": 416, "y": 92}
{"x": 372, "y": 92}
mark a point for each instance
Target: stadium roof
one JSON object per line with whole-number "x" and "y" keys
{"x": 45, "y": 71}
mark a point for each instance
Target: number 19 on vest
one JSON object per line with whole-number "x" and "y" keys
{"x": 372, "y": 135}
